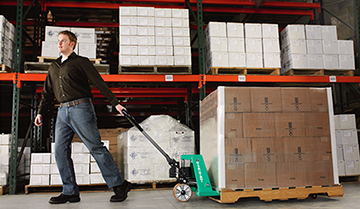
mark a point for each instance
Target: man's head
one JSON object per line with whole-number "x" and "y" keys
{"x": 66, "y": 42}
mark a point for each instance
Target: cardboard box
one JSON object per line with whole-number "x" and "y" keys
{"x": 266, "y": 99}
{"x": 179, "y": 13}
{"x": 270, "y": 31}
{"x": 182, "y": 51}
{"x": 313, "y": 32}
{"x": 96, "y": 178}
{"x": 164, "y": 31}
{"x": 128, "y": 30}
{"x": 49, "y": 49}
{"x": 52, "y": 32}
{"x": 84, "y": 35}
{"x": 147, "y": 60}
{"x": 237, "y": 151}
{"x": 82, "y": 168}
{"x": 128, "y": 50}
{"x": 270, "y": 45}
{"x": 314, "y": 46}
{"x": 146, "y": 11}
{"x": 165, "y": 60}
{"x": 328, "y": 32}
{"x": 267, "y": 150}
{"x": 295, "y": 99}
{"x": 294, "y": 61}
{"x": 294, "y": 174}
{"x": 146, "y": 50}
{"x": 164, "y": 41}
{"x": 295, "y": 46}
{"x": 292, "y": 32}
{"x": 317, "y": 124}
{"x": 165, "y": 50}
{"x": 128, "y": 20}
{"x": 272, "y": 60}
{"x": 5, "y": 150}
{"x": 233, "y": 125}
{"x": 260, "y": 175}
{"x": 94, "y": 168}
{"x": 217, "y": 59}
{"x": 351, "y": 152}
{"x": 236, "y": 45}
{"x": 323, "y": 148}
{"x": 235, "y": 176}
{"x": 40, "y": 169}
{"x": 237, "y": 99}
{"x": 39, "y": 180}
{"x": 322, "y": 173}
{"x": 5, "y": 139}
{"x": 259, "y": 125}
{"x": 352, "y": 167}
{"x": 128, "y": 60}
{"x": 216, "y": 29}
{"x": 182, "y": 60}
{"x": 237, "y": 59}
{"x": 180, "y": 22}
{"x": 345, "y": 121}
{"x": 146, "y": 40}
{"x": 330, "y": 47}
{"x": 253, "y": 45}
{"x": 346, "y": 136}
{"x": 162, "y": 12}
{"x": 253, "y": 30}
{"x": 128, "y": 40}
{"x": 254, "y": 60}
{"x": 215, "y": 44}
{"x": 87, "y": 50}
{"x": 346, "y": 47}
{"x": 299, "y": 149}
{"x": 331, "y": 61}
{"x": 181, "y": 32}
{"x": 80, "y": 158}
{"x": 147, "y": 21}
{"x": 128, "y": 11}
{"x": 235, "y": 30}
{"x": 145, "y": 31}
{"x": 290, "y": 124}
{"x": 54, "y": 169}
{"x": 316, "y": 61}
{"x": 341, "y": 168}
{"x": 319, "y": 101}
{"x": 346, "y": 62}
{"x": 40, "y": 158}
{"x": 339, "y": 152}
{"x": 181, "y": 41}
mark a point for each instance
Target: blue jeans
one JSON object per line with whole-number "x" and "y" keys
{"x": 81, "y": 119}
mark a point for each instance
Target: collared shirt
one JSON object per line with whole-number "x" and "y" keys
{"x": 69, "y": 80}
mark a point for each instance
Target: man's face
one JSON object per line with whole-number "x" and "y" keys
{"x": 64, "y": 44}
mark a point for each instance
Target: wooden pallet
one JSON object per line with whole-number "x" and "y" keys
{"x": 5, "y": 69}
{"x": 58, "y": 188}
{"x": 154, "y": 70}
{"x": 50, "y": 59}
{"x": 243, "y": 71}
{"x": 152, "y": 185}
{"x": 4, "y": 189}
{"x": 270, "y": 194}
{"x": 350, "y": 178}
{"x": 42, "y": 67}
{"x": 319, "y": 72}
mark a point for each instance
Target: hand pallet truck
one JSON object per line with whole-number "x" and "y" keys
{"x": 190, "y": 179}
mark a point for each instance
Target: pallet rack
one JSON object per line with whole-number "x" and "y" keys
{"x": 209, "y": 6}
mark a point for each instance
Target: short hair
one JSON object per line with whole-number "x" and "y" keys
{"x": 71, "y": 36}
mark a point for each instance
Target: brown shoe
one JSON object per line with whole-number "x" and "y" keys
{"x": 121, "y": 192}
{"x": 64, "y": 199}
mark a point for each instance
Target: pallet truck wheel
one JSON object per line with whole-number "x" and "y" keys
{"x": 182, "y": 192}
{"x": 313, "y": 196}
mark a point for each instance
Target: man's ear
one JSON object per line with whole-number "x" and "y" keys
{"x": 72, "y": 44}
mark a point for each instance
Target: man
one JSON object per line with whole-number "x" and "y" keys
{"x": 68, "y": 80}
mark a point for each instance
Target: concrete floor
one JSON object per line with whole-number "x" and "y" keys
{"x": 159, "y": 199}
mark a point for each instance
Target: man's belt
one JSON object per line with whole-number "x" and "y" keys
{"x": 75, "y": 102}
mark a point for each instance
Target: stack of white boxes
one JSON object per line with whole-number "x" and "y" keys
{"x": 154, "y": 37}
{"x": 248, "y": 45}
{"x": 315, "y": 47}
{"x": 7, "y": 45}
{"x": 86, "y": 41}
{"x": 81, "y": 159}
{"x": 95, "y": 173}
{"x": 347, "y": 145}
{"x": 24, "y": 165}
{"x": 5, "y": 140}
{"x": 40, "y": 169}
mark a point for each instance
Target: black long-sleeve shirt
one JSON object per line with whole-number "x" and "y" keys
{"x": 69, "y": 81}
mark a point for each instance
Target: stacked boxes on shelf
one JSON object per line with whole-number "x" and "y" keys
{"x": 49, "y": 47}
{"x": 347, "y": 145}
{"x": 5, "y": 140}
{"x": 257, "y": 137}
{"x": 7, "y": 45}
{"x": 40, "y": 169}
{"x": 154, "y": 37}
{"x": 315, "y": 47}
{"x": 242, "y": 45}
{"x": 140, "y": 161}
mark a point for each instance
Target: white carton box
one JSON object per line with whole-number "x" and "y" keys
{"x": 294, "y": 61}
{"x": 162, "y": 22}
{"x": 55, "y": 179}
{"x": 181, "y": 41}
{"x": 272, "y": 60}
{"x": 314, "y": 46}
{"x": 164, "y": 50}
{"x": 54, "y": 169}
{"x": 180, "y": 22}
{"x": 128, "y": 60}
{"x": 253, "y": 30}
{"x": 52, "y": 147}
{"x": 94, "y": 168}
{"x": 146, "y": 11}
{"x": 52, "y": 32}
{"x": 146, "y": 31}
{"x": 218, "y": 59}
{"x": 270, "y": 31}
{"x": 5, "y": 150}
{"x": 4, "y": 159}
{"x": 139, "y": 172}
{"x": 161, "y": 171}
{"x": 82, "y": 179}
{"x": 12, "y": 32}
{"x": 292, "y": 32}
{"x": 235, "y": 30}
{"x": 237, "y": 59}
{"x": 40, "y": 169}
{"x": 182, "y": 51}
{"x": 341, "y": 167}
{"x": 295, "y": 46}
{"x": 253, "y": 45}
{"x": 346, "y": 47}
{"x": 216, "y": 44}
{"x": 128, "y": 20}
{"x": 328, "y": 32}
{"x": 3, "y": 178}
{"x": 346, "y": 62}
{"x": 128, "y": 30}
{"x": 128, "y": 50}
{"x": 146, "y": 21}
{"x": 352, "y": 167}
{"x": 80, "y": 158}
{"x": 82, "y": 168}
{"x": 79, "y": 147}
{"x": 3, "y": 21}
{"x": 5, "y": 139}
{"x": 182, "y": 60}
{"x": 236, "y": 44}
{"x": 345, "y": 121}
{"x": 254, "y": 60}
{"x": 271, "y": 45}
{"x": 351, "y": 152}
{"x": 53, "y": 161}
{"x": 162, "y": 12}
{"x": 128, "y": 40}
{"x": 313, "y": 32}
{"x": 40, "y": 158}
{"x": 128, "y": 11}
{"x": 146, "y": 40}
{"x": 40, "y": 180}
{"x": 96, "y": 178}
{"x": 4, "y": 168}
{"x": 84, "y": 35}
{"x": 164, "y": 41}
{"x": 146, "y": 50}
{"x": 49, "y": 49}
{"x": 164, "y": 60}
{"x": 163, "y": 31}
{"x": 330, "y": 47}
{"x": 179, "y": 13}
{"x": 316, "y": 61}
{"x": 344, "y": 137}
{"x": 181, "y": 32}
{"x": 216, "y": 29}
{"x": 147, "y": 60}
{"x": 87, "y": 50}
{"x": 339, "y": 152}
{"x": 331, "y": 61}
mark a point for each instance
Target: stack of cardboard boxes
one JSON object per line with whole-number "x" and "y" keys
{"x": 347, "y": 145}
{"x": 5, "y": 140}
{"x": 7, "y": 42}
{"x": 266, "y": 137}
{"x": 154, "y": 37}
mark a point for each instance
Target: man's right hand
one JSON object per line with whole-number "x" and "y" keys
{"x": 38, "y": 120}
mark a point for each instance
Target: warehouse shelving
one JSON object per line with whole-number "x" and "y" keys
{"x": 200, "y": 80}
